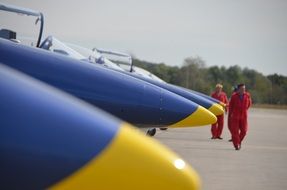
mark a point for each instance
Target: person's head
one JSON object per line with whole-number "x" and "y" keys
{"x": 241, "y": 88}
{"x": 218, "y": 88}
{"x": 235, "y": 88}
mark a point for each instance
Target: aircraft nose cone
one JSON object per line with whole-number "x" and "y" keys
{"x": 200, "y": 117}
{"x": 178, "y": 111}
{"x": 216, "y": 109}
{"x": 50, "y": 139}
{"x": 134, "y": 161}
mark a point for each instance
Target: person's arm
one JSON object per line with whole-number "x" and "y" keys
{"x": 212, "y": 95}
{"x": 231, "y": 106}
{"x": 226, "y": 103}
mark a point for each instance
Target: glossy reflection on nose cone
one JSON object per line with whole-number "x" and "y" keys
{"x": 179, "y": 164}
{"x": 60, "y": 142}
{"x": 133, "y": 161}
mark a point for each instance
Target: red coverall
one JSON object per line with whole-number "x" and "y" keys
{"x": 229, "y": 120}
{"x": 216, "y": 128}
{"x": 238, "y": 117}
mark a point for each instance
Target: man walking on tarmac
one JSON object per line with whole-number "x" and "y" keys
{"x": 238, "y": 107}
{"x": 216, "y": 128}
{"x": 235, "y": 88}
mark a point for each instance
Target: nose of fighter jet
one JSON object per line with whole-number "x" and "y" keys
{"x": 49, "y": 139}
{"x": 200, "y": 117}
{"x": 134, "y": 161}
{"x": 178, "y": 111}
{"x": 214, "y": 105}
{"x": 196, "y": 97}
{"x": 216, "y": 109}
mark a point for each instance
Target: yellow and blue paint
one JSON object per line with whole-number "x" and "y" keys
{"x": 49, "y": 139}
{"x": 132, "y": 100}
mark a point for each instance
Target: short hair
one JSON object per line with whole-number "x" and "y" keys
{"x": 219, "y": 86}
{"x": 235, "y": 88}
{"x": 240, "y": 85}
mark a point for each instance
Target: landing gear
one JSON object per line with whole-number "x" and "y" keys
{"x": 151, "y": 132}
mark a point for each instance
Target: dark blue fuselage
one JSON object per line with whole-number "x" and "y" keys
{"x": 197, "y": 97}
{"x": 130, "y": 99}
{"x": 46, "y": 135}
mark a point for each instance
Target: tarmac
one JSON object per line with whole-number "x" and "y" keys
{"x": 260, "y": 164}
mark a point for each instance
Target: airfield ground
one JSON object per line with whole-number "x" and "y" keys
{"x": 260, "y": 164}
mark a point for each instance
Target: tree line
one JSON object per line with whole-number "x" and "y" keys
{"x": 193, "y": 74}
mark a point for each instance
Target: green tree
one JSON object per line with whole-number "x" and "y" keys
{"x": 195, "y": 75}
{"x": 278, "y": 92}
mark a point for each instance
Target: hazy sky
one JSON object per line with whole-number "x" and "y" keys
{"x": 248, "y": 33}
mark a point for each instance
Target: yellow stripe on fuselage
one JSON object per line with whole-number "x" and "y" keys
{"x": 198, "y": 118}
{"x": 216, "y": 109}
{"x": 133, "y": 161}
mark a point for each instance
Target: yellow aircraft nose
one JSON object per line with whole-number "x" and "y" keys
{"x": 133, "y": 161}
{"x": 199, "y": 118}
{"x": 216, "y": 109}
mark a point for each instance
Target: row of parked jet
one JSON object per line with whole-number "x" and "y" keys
{"x": 69, "y": 117}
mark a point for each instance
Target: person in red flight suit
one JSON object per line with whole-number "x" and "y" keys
{"x": 216, "y": 128}
{"x": 238, "y": 107}
{"x": 235, "y": 88}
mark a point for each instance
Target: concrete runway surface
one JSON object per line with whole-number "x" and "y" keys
{"x": 260, "y": 164}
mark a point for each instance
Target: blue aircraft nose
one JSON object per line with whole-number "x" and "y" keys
{"x": 186, "y": 114}
{"x": 199, "y": 98}
{"x": 212, "y": 106}
{"x": 51, "y": 140}
{"x": 170, "y": 110}
{"x": 133, "y": 100}
{"x": 221, "y": 104}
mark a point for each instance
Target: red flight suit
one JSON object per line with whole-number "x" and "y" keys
{"x": 238, "y": 107}
{"x": 216, "y": 128}
{"x": 229, "y": 120}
